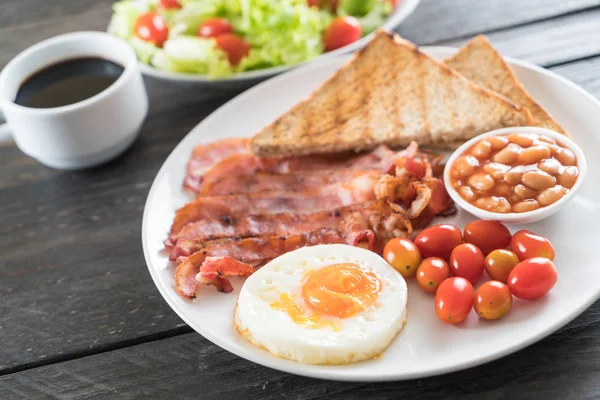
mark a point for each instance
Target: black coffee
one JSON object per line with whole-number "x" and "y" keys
{"x": 67, "y": 82}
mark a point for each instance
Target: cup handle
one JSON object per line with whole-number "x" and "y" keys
{"x": 5, "y": 136}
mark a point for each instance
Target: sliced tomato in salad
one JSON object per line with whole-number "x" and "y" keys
{"x": 152, "y": 28}
{"x": 169, "y": 4}
{"x": 235, "y": 47}
{"x": 341, "y": 32}
{"x": 214, "y": 27}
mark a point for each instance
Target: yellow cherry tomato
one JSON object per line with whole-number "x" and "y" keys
{"x": 403, "y": 255}
{"x": 492, "y": 300}
{"x": 499, "y": 263}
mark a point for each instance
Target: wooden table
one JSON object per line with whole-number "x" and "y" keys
{"x": 79, "y": 314}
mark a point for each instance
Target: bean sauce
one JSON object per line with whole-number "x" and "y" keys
{"x": 515, "y": 173}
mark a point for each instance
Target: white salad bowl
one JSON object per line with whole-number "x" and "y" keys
{"x": 525, "y": 217}
{"x": 246, "y": 79}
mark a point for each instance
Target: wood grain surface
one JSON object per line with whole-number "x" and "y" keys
{"x": 550, "y": 42}
{"x": 437, "y": 21}
{"x": 564, "y": 366}
{"x": 74, "y": 285}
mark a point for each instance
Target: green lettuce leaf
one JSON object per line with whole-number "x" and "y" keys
{"x": 283, "y": 32}
{"x": 143, "y": 50}
{"x": 376, "y": 17}
{"x": 194, "y": 55}
{"x": 193, "y": 13}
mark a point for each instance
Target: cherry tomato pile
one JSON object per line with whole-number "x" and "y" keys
{"x": 448, "y": 264}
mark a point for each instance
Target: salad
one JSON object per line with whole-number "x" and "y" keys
{"x": 217, "y": 38}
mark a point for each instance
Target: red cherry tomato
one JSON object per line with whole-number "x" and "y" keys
{"x": 468, "y": 262}
{"x": 394, "y": 3}
{"x": 314, "y": 3}
{"x": 438, "y": 241}
{"x": 526, "y": 245}
{"x": 431, "y": 273}
{"x": 487, "y": 235}
{"x": 341, "y": 32}
{"x": 152, "y": 28}
{"x": 454, "y": 300}
{"x": 235, "y": 47}
{"x": 492, "y": 300}
{"x": 213, "y": 27}
{"x": 403, "y": 255}
{"x": 499, "y": 263}
{"x": 532, "y": 278}
{"x": 169, "y": 4}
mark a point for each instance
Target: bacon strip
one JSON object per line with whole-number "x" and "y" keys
{"x": 376, "y": 228}
{"x": 328, "y": 197}
{"x": 382, "y": 159}
{"x": 236, "y": 164}
{"x": 266, "y": 181}
{"x": 204, "y": 156}
{"x": 215, "y": 270}
{"x": 255, "y": 251}
{"x": 194, "y": 236}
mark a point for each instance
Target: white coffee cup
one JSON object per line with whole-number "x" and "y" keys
{"x": 81, "y": 134}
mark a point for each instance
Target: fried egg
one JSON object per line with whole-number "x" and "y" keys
{"x": 326, "y": 304}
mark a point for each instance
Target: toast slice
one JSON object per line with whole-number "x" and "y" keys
{"x": 390, "y": 93}
{"x": 482, "y": 64}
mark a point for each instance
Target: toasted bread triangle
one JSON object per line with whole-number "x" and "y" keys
{"x": 482, "y": 64}
{"x": 389, "y": 93}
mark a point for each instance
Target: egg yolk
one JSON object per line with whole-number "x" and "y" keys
{"x": 341, "y": 290}
{"x": 299, "y": 315}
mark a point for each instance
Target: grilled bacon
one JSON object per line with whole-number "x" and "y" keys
{"x": 194, "y": 236}
{"x": 254, "y": 251}
{"x": 360, "y": 188}
{"x": 381, "y": 158}
{"x": 386, "y": 221}
{"x": 267, "y": 181}
{"x": 204, "y": 156}
{"x": 250, "y": 210}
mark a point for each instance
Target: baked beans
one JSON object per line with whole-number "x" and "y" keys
{"x": 516, "y": 173}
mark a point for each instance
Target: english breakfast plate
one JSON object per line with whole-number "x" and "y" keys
{"x": 425, "y": 347}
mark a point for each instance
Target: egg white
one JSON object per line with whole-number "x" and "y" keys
{"x": 359, "y": 337}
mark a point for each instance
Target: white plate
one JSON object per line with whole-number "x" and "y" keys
{"x": 426, "y": 346}
{"x": 247, "y": 79}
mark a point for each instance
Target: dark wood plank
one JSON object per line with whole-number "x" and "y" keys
{"x": 15, "y": 13}
{"x": 564, "y": 366}
{"x": 435, "y": 21}
{"x": 550, "y": 42}
{"x": 584, "y": 73}
{"x": 26, "y": 22}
